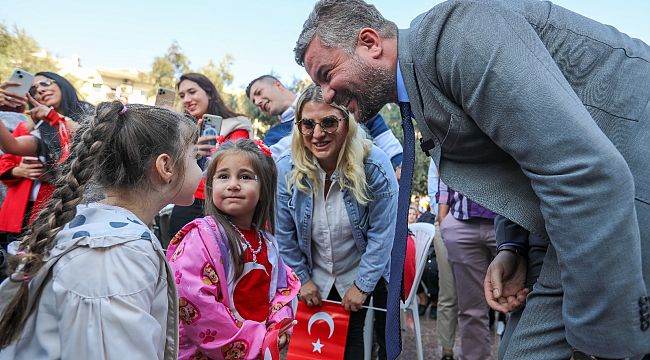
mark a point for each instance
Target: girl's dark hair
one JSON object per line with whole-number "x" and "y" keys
{"x": 216, "y": 106}
{"x": 267, "y": 177}
{"x": 115, "y": 148}
{"x": 70, "y": 106}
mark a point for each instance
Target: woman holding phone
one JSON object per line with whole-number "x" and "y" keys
{"x": 200, "y": 97}
{"x": 53, "y": 101}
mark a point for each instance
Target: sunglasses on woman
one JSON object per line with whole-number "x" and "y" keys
{"x": 328, "y": 124}
{"x": 43, "y": 83}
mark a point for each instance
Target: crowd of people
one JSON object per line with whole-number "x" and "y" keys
{"x": 535, "y": 119}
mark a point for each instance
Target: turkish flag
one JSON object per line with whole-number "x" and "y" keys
{"x": 320, "y": 333}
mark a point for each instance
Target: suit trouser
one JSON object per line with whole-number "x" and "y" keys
{"x": 471, "y": 246}
{"x": 540, "y": 333}
{"x": 447, "y": 305}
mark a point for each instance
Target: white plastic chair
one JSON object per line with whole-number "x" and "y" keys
{"x": 424, "y": 233}
{"x": 368, "y": 329}
{"x": 423, "y": 237}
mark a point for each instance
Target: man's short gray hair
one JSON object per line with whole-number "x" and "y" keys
{"x": 338, "y": 22}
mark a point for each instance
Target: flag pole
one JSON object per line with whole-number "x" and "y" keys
{"x": 367, "y": 307}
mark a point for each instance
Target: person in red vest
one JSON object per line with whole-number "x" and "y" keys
{"x": 54, "y": 101}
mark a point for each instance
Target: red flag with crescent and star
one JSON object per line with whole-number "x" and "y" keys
{"x": 320, "y": 333}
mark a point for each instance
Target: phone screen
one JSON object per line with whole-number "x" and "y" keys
{"x": 211, "y": 126}
{"x": 210, "y": 130}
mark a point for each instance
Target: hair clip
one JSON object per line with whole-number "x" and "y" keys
{"x": 123, "y": 110}
{"x": 265, "y": 149}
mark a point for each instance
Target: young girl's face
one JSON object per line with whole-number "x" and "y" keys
{"x": 236, "y": 189}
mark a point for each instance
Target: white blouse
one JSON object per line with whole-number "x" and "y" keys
{"x": 335, "y": 255}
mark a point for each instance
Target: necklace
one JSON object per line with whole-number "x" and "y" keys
{"x": 248, "y": 244}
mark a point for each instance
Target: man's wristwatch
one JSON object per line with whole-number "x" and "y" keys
{"x": 515, "y": 249}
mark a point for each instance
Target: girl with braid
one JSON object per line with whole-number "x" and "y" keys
{"x": 91, "y": 281}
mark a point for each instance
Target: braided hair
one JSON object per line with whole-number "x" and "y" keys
{"x": 117, "y": 150}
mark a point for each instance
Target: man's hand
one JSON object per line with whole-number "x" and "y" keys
{"x": 309, "y": 294}
{"x": 504, "y": 284}
{"x": 443, "y": 210}
{"x": 353, "y": 299}
{"x": 29, "y": 168}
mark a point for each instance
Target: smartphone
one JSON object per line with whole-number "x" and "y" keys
{"x": 31, "y": 160}
{"x": 211, "y": 126}
{"x": 165, "y": 97}
{"x": 24, "y": 78}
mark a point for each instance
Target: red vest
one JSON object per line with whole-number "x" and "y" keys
{"x": 18, "y": 191}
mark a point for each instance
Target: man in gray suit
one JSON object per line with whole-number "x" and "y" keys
{"x": 536, "y": 113}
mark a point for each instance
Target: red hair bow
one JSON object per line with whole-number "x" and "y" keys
{"x": 265, "y": 149}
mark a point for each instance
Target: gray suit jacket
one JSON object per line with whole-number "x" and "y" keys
{"x": 542, "y": 115}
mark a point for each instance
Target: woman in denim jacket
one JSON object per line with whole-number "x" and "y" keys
{"x": 336, "y": 211}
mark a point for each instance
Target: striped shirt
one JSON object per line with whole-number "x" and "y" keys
{"x": 461, "y": 207}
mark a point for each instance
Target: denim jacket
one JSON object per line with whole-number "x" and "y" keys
{"x": 373, "y": 225}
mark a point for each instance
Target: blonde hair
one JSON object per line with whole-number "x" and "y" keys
{"x": 350, "y": 161}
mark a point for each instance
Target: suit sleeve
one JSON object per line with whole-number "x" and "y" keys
{"x": 507, "y": 231}
{"x": 492, "y": 63}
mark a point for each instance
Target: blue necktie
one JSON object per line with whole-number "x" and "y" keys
{"x": 395, "y": 289}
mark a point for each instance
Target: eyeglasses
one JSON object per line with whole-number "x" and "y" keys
{"x": 243, "y": 179}
{"x": 328, "y": 125}
{"x": 44, "y": 83}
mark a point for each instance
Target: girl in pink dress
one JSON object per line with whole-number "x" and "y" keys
{"x": 234, "y": 290}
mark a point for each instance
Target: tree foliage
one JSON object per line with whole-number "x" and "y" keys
{"x": 166, "y": 69}
{"x": 220, "y": 75}
{"x": 393, "y": 119}
{"x": 19, "y": 50}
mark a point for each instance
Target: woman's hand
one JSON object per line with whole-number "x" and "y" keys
{"x": 504, "y": 284}
{"x": 309, "y": 294}
{"x": 353, "y": 299}
{"x": 29, "y": 168}
{"x": 202, "y": 146}
{"x": 11, "y": 101}
{"x": 283, "y": 340}
{"x": 39, "y": 111}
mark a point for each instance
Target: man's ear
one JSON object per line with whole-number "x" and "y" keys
{"x": 164, "y": 167}
{"x": 370, "y": 42}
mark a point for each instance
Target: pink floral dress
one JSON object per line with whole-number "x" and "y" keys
{"x": 212, "y": 326}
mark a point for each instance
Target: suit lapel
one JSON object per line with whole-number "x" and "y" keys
{"x": 415, "y": 96}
